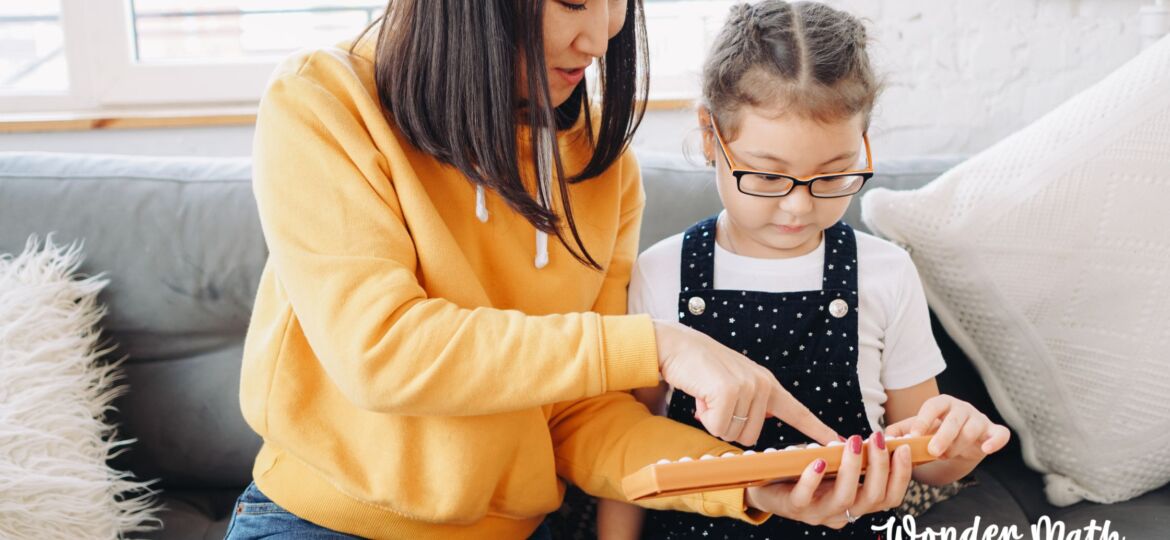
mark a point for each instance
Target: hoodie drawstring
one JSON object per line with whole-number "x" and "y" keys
{"x": 481, "y": 211}
{"x": 546, "y": 151}
{"x": 541, "y": 249}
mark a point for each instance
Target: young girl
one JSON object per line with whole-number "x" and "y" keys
{"x": 838, "y": 316}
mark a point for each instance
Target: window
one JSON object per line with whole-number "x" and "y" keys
{"x": 32, "y": 58}
{"x": 679, "y": 34}
{"x": 177, "y": 30}
{"x": 59, "y": 55}
{"x": 157, "y": 52}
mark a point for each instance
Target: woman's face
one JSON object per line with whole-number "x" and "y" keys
{"x": 791, "y": 225}
{"x": 575, "y": 33}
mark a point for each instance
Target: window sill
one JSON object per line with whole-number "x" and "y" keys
{"x": 178, "y": 118}
{"x": 128, "y": 119}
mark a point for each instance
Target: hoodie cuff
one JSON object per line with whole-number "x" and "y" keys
{"x": 731, "y": 503}
{"x": 630, "y": 352}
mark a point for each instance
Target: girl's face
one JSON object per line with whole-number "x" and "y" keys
{"x": 791, "y": 225}
{"x": 575, "y": 32}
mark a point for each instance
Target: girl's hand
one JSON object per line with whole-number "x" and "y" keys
{"x": 734, "y": 394}
{"x": 816, "y": 502}
{"x": 960, "y": 431}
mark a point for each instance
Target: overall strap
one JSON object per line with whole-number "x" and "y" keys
{"x": 697, "y": 269}
{"x": 840, "y": 258}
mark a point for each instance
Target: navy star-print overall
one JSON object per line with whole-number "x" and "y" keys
{"x": 795, "y": 335}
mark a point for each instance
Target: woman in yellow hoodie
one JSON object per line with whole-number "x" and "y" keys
{"x": 422, "y": 362}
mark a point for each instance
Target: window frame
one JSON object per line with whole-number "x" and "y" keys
{"x": 123, "y": 82}
{"x": 702, "y": 16}
{"x": 104, "y": 77}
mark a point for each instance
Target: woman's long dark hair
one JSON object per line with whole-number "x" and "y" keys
{"x": 446, "y": 73}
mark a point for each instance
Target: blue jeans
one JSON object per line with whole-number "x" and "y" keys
{"x": 256, "y": 516}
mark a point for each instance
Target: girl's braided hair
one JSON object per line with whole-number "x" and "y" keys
{"x": 804, "y": 57}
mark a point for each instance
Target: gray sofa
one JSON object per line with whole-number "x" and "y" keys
{"x": 180, "y": 241}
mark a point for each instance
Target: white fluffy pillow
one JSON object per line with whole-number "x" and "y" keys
{"x": 1047, "y": 258}
{"x": 54, "y": 481}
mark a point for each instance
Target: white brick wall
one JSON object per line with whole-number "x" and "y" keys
{"x": 963, "y": 74}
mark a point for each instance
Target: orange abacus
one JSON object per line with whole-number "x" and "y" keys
{"x": 749, "y": 468}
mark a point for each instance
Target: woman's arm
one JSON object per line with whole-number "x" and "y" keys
{"x": 344, "y": 257}
{"x": 617, "y": 520}
{"x": 600, "y": 440}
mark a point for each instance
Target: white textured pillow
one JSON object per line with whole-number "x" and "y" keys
{"x": 54, "y": 481}
{"x": 1047, "y": 258}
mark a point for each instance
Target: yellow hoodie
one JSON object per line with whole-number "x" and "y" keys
{"x": 411, "y": 370}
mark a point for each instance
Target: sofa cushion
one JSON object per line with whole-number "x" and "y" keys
{"x": 989, "y": 499}
{"x": 195, "y": 514}
{"x": 1044, "y": 257}
{"x": 55, "y": 439}
{"x": 180, "y": 242}
{"x": 1139, "y": 518}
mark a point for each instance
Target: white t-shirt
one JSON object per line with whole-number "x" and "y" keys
{"x": 897, "y": 348}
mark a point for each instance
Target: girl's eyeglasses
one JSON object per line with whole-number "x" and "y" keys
{"x": 774, "y": 184}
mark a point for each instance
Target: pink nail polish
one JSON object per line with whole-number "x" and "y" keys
{"x": 840, "y": 438}
{"x": 855, "y": 444}
{"x": 819, "y": 466}
{"x": 880, "y": 440}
